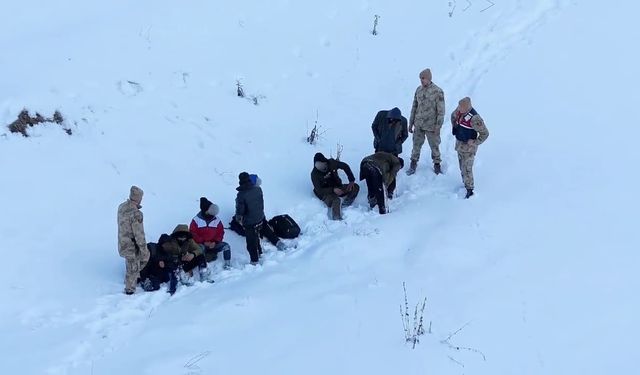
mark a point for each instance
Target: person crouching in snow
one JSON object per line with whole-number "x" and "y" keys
{"x": 180, "y": 250}
{"x": 379, "y": 169}
{"x": 328, "y": 186}
{"x": 208, "y": 232}
{"x": 250, "y": 214}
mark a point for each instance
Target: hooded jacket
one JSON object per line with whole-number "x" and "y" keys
{"x": 389, "y": 137}
{"x": 172, "y": 250}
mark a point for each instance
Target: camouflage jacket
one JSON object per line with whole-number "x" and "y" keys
{"x": 427, "y": 112}
{"x": 130, "y": 230}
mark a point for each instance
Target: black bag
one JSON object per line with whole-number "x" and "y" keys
{"x": 235, "y": 226}
{"x": 284, "y": 226}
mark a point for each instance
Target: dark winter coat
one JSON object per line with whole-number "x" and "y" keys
{"x": 325, "y": 182}
{"x": 171, "y": 250}
{"x": 386, "y": 163}
{"x": 389, "y": 137}
{"x": 249, "y": 204}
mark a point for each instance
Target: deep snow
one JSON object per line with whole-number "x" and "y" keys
{"x": 540, "y": 263}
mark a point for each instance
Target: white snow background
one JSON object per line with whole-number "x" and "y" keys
{"x": 539, "y": 269}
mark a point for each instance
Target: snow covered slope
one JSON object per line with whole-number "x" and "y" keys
{"x": 539, "y": 267}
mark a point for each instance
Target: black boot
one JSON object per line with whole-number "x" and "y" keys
{"x": 469, "y": 194}
{"x": 436, "y": 168}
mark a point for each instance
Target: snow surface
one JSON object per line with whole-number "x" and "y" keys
{"x": 539, "y": 269}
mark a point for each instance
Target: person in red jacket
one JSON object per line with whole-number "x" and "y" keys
{"x": 208, "y": 232}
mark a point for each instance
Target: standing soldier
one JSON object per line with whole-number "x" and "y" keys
{"x": 427, "y": 117}
{"x": 132, "y": 245}
{"x": 389, "y": 133}
{"x": 470, "y": 131}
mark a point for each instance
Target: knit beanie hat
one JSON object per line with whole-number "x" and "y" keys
{"x": 135, "y": 194}
{"x": 426, "y": 74}
{"x": 244, "y": 178}
{"x": 204, "y": 204}
{"x": 319, "y": 157}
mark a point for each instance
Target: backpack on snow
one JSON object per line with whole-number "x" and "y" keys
{"x": 235, "y": 226}
{"x": 284, "y": 226}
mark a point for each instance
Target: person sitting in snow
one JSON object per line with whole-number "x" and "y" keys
{"x": 266, "y": 231}
{"x": 328, "y": 186}
{"x": 177, "y": 255}
{"x": 379, "y": 169}
{"x": 208, "y": 232}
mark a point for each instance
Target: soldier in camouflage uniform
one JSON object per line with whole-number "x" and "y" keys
{"x": 132, "y": 245}
{"x": 470, "y": 131}
{"x": 427, "y": 117}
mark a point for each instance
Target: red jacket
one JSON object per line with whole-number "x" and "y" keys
{"x": 203, "y": 231}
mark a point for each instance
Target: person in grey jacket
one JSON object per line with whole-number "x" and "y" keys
{"x": 250, "y": 214}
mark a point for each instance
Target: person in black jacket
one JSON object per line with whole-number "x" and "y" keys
{"x": 250, "y": 214}
{"x": 328, "y": 186}
{"x": 389, "y": 133}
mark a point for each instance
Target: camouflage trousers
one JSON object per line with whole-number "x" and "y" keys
{"x": 134, "y": 264}
{"x": 465, "y": 160}
{"x": 433, "y": 138}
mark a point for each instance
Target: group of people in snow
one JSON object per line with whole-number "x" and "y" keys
{"x": 176, "y": 256}
{"x": 189, "y": 247}
{"x": 390, "y": 130}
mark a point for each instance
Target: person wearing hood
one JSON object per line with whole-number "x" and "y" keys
{"x": 250, "y": 213}
{"x": 389, "y": 133}
{"x": 328, "y": 186}
{"x": 179, "y": 249}
{"x": 208, "y": 232}
{"x": 379, "y": 170}
{"x": 132, "y": 245}
{"x": 175, "y": 257}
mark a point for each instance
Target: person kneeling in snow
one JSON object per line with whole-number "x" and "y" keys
{"x": 208, "y": 231}
{"x": 379, "y": 169}
{"x": 176, "y": 257}
{"x": 328, "y": 186}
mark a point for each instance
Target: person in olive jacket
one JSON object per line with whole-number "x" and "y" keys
{"x": 379, "y": 170}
